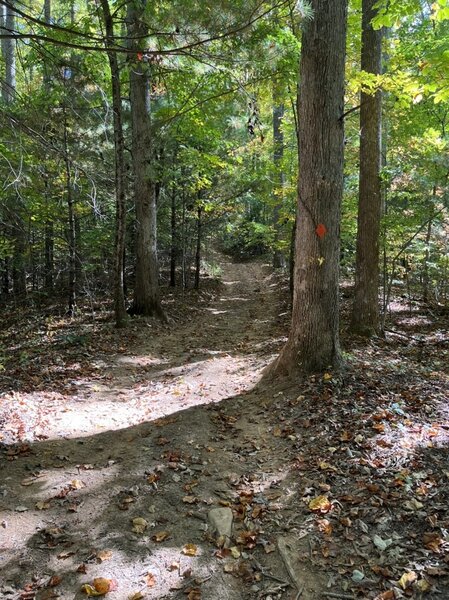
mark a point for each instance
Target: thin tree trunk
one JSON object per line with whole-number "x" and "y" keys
{"x": 49, "y": 226}
{"x": 146, "y": 290}
{"x": 426, "y": 276}
{"x": 365, "y": 311}
{"x": 313, "y": 343}
{"x": 183, "y": 242}
{"x": 71, "y": 288}
{"x": 8, "y": 85}
{"x": 198, "y": 248}
{"x": 174, "y": 243}
{"x": 119, "y": 148}
{"x": 278, "y": 154}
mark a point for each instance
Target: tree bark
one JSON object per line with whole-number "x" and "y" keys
{"x": 71, "y": 288}
{"x": 8, "y": 86}
{"x": 313, "y": 343}
{"x": 278, "y": 154}
{"x": 146, "y": 290}
{"x": 365, "y": 311}
{"x": 174, "y": 241}
{"x": 119, "y": 148}
{"x": 198, "y": 248}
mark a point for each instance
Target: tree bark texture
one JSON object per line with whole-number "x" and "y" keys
{"x": 365, "y": 312}
{"x": 119, "y": 149}
{"x": 313, "y": 344}
{"x": 146, "y": 289}
{"x": 278, "y": 155}
{"x": 71, "y": 288}
{"x": 8, "y": 85}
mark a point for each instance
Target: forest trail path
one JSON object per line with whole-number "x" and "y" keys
{"x": 160, "y": 427}
{"x": 218, "y": 352}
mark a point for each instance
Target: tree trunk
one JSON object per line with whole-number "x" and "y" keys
{"x": 146, "y": 289}
{"x": 71, "y": 287}
{"x": 278, "y": 154}
{"x": 49, "y": 255}
{"x": 426, "y": 275}
{"x": 119, "y": 147}
{"x": 8, "y": 85}
{"x": 365, "y": 311}
{"x": 198, "y": 249}
{"x": 49, "y": 226}
{"x": 174, "y": 242}
{"x": 313, "y": 344}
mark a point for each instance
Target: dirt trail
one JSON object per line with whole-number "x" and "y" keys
{"x": 331, "y": 486}
{"x": 215, "y": 355}
{"x": 120, "y": 449}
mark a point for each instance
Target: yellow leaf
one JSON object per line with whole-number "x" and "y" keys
{"x": 235, "y": 552}
{"x": 90, "y": 591}
{"x": 321, "y": 504}
{"x": 325, "y": 466}
{"x": 327, "y": 376}
{"x": 407, "y": 579}
{"x": 104, "y": 555}
{"x": 43, "y": 505}
{"x": 139, "y": 525}
{"x": 77, "y": 484}
{"x": 423, "y": 585}
{"x": 160, "y": 536}
{"x": 190, "y": 550}
{"x": 136, "y": 596}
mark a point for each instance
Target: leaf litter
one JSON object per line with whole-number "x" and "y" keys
{"x": 350, "y": 469}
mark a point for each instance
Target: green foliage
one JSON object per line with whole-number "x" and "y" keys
{"x": 247, "y": 239}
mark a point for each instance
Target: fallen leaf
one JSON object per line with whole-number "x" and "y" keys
{"x": 432, "y": 541}
{"x": 388, "y": 595}
{"x": 102, "y": 585}
{"x": 235, "y": 552}
{"x": 321, "y": 504}
{"x": 380, "y": 543}
{"x": 104, "y": 555}
{"x": 268, "y": 548}
{"x": 136, "y": 596}
{"x": 77, "y": 484}
{"x": 423, "y": 585}
{"x": 150, "y": 580}
{"x": 190, "y": 499}
{"x": 407, "y": 579}
{"x": 190, "y": 550}
{"x": 54, "y": 581}
{"x": 139, "y": 525}
{"x": 357, "y": 576}
{"x": 90, "y": 590}
{"x": 43, "y": 505}
{"x": 161, "y": 536}
{"x": 325, "y": 526}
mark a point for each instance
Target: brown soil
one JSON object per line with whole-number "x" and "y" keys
{"x": 169, "y": 422}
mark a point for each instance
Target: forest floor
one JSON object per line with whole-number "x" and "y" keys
{"x": 152, "y": 462}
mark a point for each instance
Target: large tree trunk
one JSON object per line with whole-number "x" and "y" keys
{"x": 313, "y": 344}
{"x": 146, "y": 289}
{"x": 365, "y": 311}
{"x": 119, "y": 148}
